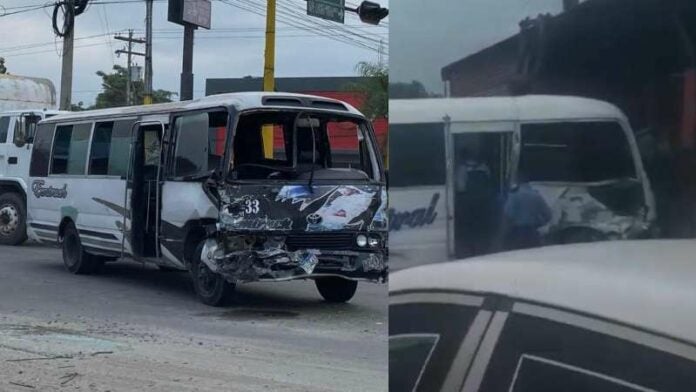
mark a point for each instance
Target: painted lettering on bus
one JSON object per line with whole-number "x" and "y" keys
{"x": 414, "y": 218}
{"x": 37, "y": 187}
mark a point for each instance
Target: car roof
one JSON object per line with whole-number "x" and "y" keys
{"x": 520, "y": 108}
{"x": 648, "y": 284}
{"x": 241, "y": 101}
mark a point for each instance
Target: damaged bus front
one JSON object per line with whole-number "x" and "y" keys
{"x": 590, "y": 174}
{"x": 302, "y": 196}
{"x": 233, "y": 188}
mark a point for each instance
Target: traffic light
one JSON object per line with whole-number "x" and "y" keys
{"x": 371, "y": 13}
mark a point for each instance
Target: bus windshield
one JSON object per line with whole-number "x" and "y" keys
{"x": 292, "y": 145}
{"x": 590, "y": 151}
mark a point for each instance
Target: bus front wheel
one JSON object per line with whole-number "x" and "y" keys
{"x": 211, "y": 288}
{"x": 335, "y": 289}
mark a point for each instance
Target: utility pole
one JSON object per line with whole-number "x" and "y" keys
{"x": 129, "y": 52}
{"x": 269, "y": 72}
{"x": 186, "y": 90}
{"x": 66, "y": 76}
{"x": 269, "y": 59}
{"x": 130, "y": 55}
{"x": 148, "y": 53}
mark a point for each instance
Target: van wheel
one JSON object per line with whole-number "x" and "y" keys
{"x": 75, "y": 258}
{"x": 13, "y": 222}
{"x": 335, "y": 289}
{"x": 211, "y": 288}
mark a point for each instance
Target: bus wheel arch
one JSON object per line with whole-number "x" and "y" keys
{"x": 195, "y": 234}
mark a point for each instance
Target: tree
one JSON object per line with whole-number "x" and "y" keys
{"x": 77, "y": 108}
{"x": 415, "y": 89}
{"x": 3, "y": 69}
{"x": 374, "y": 86}
{"x": 114, "y": 90}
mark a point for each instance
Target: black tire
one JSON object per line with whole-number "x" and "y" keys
{"x": 164, "y": 268}
{"x": 75, "y": 258}
{"x": 13, "y": 219}
{"x": 211, "y": 288}
{"x": 335, "y": 289}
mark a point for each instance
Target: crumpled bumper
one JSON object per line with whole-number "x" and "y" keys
{"x": 275, "y": 263}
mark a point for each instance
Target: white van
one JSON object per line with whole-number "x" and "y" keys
{"x": 579, "y": 154}
{"x": 234, "y": 188}
{"x": 16, "y": 136}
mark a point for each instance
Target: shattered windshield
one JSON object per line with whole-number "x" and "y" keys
{"x": 575, "y": 152}
{"x": 293, "y": 145}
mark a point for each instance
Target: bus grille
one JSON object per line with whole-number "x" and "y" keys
{"x": 333, "y": 241}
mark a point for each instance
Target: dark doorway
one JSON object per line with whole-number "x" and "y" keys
{"x": 480, "y": 173}
{"x": 143, "y": 182}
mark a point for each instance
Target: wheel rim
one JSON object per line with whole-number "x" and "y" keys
{"x": 9, "y": 220}
{"x": 206, "y": 280}
{"x": 71, "y": 248}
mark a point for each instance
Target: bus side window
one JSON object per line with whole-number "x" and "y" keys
{"x": 41, "y": 152}
{"x": 70, "y": 149}
{"x": 200, "y": 141}
{"x": 110, "y": 148}
{"x": 417, "y": 154}
{"x": 4, "y": 125}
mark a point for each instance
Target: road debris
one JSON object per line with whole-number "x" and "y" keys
{"x": 39, "y": 358}
{"x": 68, "y": 377}
{"x": 19, "y": 384}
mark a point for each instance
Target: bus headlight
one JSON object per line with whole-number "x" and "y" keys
{"x": 361, "y": 240}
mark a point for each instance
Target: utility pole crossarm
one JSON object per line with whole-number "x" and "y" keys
{"x": 123, "y": 51}
{"x": 134, "y": 40}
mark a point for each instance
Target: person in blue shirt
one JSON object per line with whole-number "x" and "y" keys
{"x": 525, "y": 211}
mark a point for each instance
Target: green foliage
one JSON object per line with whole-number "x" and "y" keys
{"x": 375, "y": 87}
{"x": 114, "y": 90}
{"x": 78, "y": 108}
{"x": 415, "y": 89}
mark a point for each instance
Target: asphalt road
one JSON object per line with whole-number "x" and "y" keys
{"x": 137, "y": 328}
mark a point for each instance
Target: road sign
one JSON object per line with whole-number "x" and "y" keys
{"x": 192, "y": 12}
{"x": 333, "y": 10}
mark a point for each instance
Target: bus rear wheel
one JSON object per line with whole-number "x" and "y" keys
{"x": 13, "y": 223}
{"x": 335, "y": 289}
{"x": 211, "y": 288}
{"x": 75, "y": 258}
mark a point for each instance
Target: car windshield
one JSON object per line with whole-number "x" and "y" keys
{"x": 293, "y": 145}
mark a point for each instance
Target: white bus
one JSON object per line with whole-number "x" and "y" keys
{"x": 579, "y": 154}
{"x": 234, "y": 188}
{"x": 16, "y": 136}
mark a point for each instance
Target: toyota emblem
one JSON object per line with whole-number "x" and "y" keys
{"x": 314, "y": 219}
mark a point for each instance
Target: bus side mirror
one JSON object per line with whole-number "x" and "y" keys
{"x": 20, "y": 135}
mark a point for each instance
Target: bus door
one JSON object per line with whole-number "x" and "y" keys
{"x": 142, "y": 191}
{"x": 478, "y": 173}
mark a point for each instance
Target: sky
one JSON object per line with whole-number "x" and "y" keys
{"x": 233, "y": 48}
{"x": 426, "y": 35}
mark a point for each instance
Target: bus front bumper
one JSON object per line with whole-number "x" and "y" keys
{"x": 277, "y": 264}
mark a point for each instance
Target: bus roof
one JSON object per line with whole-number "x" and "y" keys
{"x": 647, "y": 283}
{"x": 241, "y": 101}
{"x": 522, "y": 108}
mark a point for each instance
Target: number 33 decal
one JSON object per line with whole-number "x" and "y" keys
{"x": 251, "y": 206}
